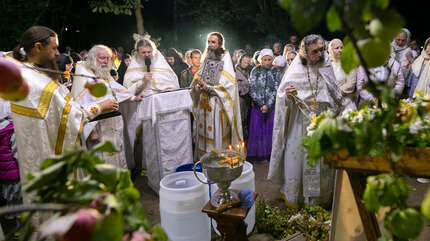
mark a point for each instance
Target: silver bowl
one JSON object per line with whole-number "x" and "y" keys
{"x": 220, "y": 174}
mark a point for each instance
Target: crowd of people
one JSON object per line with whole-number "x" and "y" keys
{"x": 259, "y": 97}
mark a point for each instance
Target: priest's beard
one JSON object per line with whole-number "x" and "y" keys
{"x": 141, "y": 60}
{"x": 52, "y": 65}
{"x": 214, "y": 54}
{"x": 102, "y": 71}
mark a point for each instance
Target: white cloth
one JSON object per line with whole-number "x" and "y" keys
{"x": 380, "y": 74}
{"x": 424, "y": 75}
{"x": 110, "y": 129}
{"x": 347, "y": 84}
{"x": 166, "y": 133}
{"x": 288, "y": 162}
{"x": 4, "y": 109}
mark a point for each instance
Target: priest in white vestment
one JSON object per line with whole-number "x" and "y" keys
{"x": 47, "y": 122}
{"x": 99, "y": 64}
{"x": 148, "y": 73}
{"x": 215, "y": 97}
{"x": 309, "y": 86}
{"x": 402, "y": 53}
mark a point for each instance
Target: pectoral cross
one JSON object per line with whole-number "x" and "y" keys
{"x": 314, "y": 103}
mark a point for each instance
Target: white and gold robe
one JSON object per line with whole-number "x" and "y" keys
{"x": 110, "y": 129}
{"x": 218, "y": 120}
{"x": 47, "y": 122}
{"x": 163, "y": 78}
{"x": 288, "y": 162}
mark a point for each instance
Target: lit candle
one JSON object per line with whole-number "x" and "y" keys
{"x": 237, "y": 150}
{"x": 231, "y": 153}
{"x": 241, "y": 151}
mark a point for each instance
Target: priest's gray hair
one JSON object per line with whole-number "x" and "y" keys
{"x": 91, "y": 60}
{"x": 304, "y": 46}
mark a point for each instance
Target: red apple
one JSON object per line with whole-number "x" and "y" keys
{"x": 10, "y": 76}
{"x": 138, "y": 236}
{"x": 83, "y": 227}
{"x": 17, "y": 95}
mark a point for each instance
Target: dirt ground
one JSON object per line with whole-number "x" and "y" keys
{"x": 270, "y": 192}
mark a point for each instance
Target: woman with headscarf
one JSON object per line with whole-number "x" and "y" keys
{"x": 345, "y": 82}
{"x": 242, "y": 76}
{"x": 421, "y": 69}
{"x": 402, "y": 53}
{"x": 263, "y": 82}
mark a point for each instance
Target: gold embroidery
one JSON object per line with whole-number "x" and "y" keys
{"x": 232, "y": 106}
{"x": 204, "y": 102}
{"x": 226, "y": 74}
{"x": 208, "y": 140}
{"x": 94, "y": 110}
{"x": 68, "y": 97}
{"x": 200, "y": 125}
{"x": 62, "y": 129}
{"x": 42, "y": 107}
{"x": 80, "y": 130}
{"x": 209, "y": 128}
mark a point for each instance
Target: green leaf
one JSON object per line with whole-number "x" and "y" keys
{"x": 107, "y": 174}
{"x": 135, "y": 216}
{"x": 382, "y": 4}
{"x": 109, "y": 227}
{"x": 105, "y": 147}
{"x": 333, "y": 20}
{"x": 374, "y": 51}
{"x": 425, "y": 206}
{"x": 158, "y": 233}
{"x": 125, "y": 179}
{"x": 47, "y": 176}
{"x": 348, "y": 58}
{"x": 285, "y": 4}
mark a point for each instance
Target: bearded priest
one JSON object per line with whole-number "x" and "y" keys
{"x": 98, "y": 64}
{"x": 308, "y": 88}
{"x": 47, "y": 121}
{"x": 215, "y": 98}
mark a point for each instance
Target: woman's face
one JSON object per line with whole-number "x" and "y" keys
{"x": 337, "y": 48}
{"x": 245, "y": 63}
{"x": 69, "y": 67}
{"x": 428, "y": 49}
{"x": 266, "y": 61}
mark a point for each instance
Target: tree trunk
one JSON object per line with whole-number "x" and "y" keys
{"x": 139, "y": 17}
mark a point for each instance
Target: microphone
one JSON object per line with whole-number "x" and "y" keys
{"x": 148, "y": 64}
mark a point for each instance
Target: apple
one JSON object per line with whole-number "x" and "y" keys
{"x": 10, "y": 76}
{"x": 97, "y": 89}
{"x": 17, "y": 95}
{"x": 83, "y": 227}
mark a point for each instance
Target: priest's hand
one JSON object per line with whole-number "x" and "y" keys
{"x": 137, "y": 98}
{"x": 264, "y": 109}
{"x": 109, "y": 105}
{"x": 94, "y": 137}
{"x": 290, "y": 91}
{"x": 147, "y": 77}
{"x": 202, "y": 86}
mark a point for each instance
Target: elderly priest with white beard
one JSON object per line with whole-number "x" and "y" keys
{"x": 99, "y": 64}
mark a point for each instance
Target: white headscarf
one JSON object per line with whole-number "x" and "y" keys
{"x": 416, "y": 68}
{"x": 265, "y": 52}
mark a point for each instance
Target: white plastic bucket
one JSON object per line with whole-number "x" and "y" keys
{"x": 245, "y": 181}
{"x": 182, "y": 198}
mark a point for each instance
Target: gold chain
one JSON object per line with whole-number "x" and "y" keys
{"x": 314, "y": 93}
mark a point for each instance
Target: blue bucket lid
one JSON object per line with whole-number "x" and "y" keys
{"x": 188, "y": 167}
